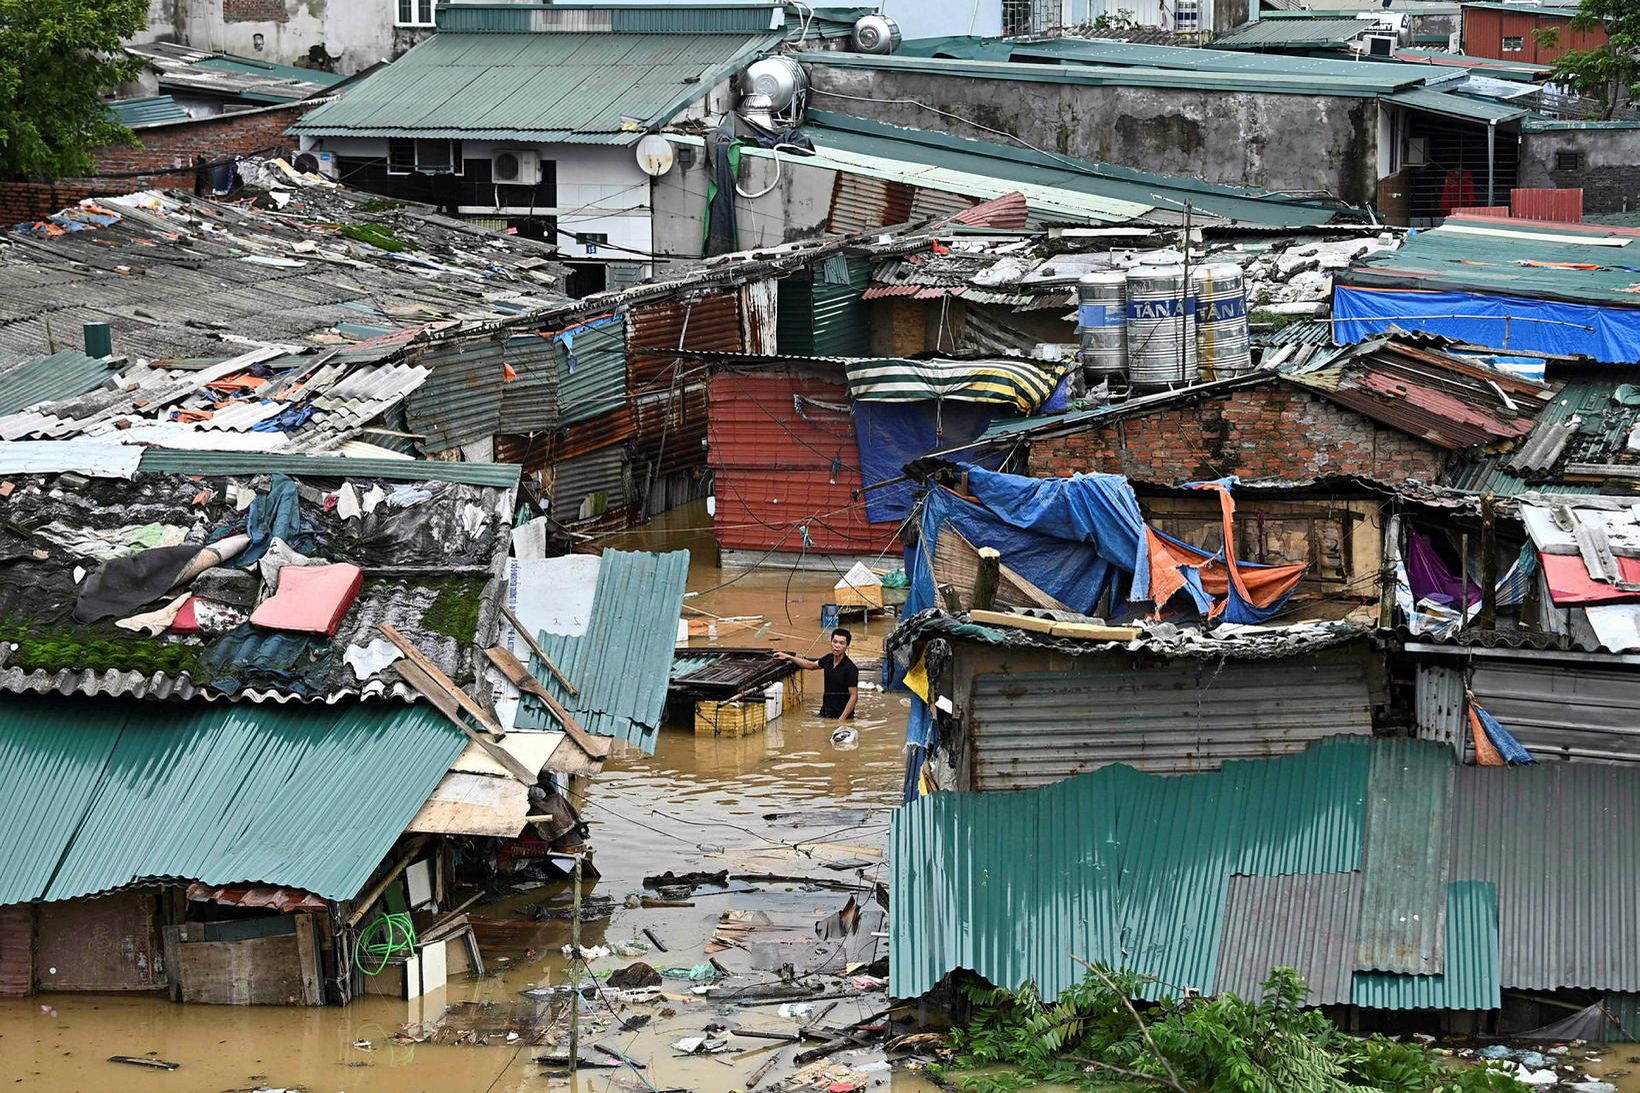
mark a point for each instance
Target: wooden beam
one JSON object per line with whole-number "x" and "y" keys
{"x": 535, "y": 647}
{"x": 520, "y": 677}
{"x": 376, "y": 890}
{"x": 431, "y": 670}
{"x": 442, "y": 701}
{"x": 307, "y": 958}
{"x": 985, "y": 581}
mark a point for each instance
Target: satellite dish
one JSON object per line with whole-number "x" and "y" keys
{"x": 655, "y": 155}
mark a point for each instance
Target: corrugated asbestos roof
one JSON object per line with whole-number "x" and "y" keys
{"x": 1309, "y": 923}
{"x": 63, "y": 375}
{"x": 1010, "y": 885}
{"x": 295, "y": 797}
{"x": 1292, "y": 33}
{"x": 540, "y": 87}
{"x": 622, "y": 664}
{"x": 1470, "y": 977}
{"x": 168, "y": 461}
{"x": 1485, "y": 254}
{"x": 1052, "y": 184}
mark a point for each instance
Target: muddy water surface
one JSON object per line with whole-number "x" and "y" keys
{"x": 782, "y": 802}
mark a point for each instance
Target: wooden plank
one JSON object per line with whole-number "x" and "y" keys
{"x": 428, "y": 687}
{"x": 1018, "y": 622}
{"x": 259, "y": 971}
{"x": 462, "y": 698}
{"x": 1088, "y": 631}
{"x": 519, "y": 676}
{"x": 474, "y": 804}
{"x": 128, "y": 955}
{"x": 541, "y": 654}
{"x": 370, "y": 897}
{"x": 307, "y": 956}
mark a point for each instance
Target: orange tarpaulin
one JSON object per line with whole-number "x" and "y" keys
{"x": 1260, "y": 586}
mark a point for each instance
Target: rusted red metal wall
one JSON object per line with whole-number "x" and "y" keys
{"x": 709, "y": 323}
{"x": 1564, "y": 206}
{"x": 1485, "y": 29}
{"x": 784, "y": 456}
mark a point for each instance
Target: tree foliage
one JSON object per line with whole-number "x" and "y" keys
{"x": 56, "y": 57}
{"x": 1094, "y": 1038}
{"x": 1610, "y": 73}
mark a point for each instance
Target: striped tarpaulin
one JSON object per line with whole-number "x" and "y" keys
{"x": 1022, "y": 384}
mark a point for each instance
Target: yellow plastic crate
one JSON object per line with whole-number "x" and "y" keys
{"x": 730, "y": 718}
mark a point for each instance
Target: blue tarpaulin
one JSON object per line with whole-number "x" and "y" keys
{"x": 1609, "y": 334}
{"x": 892, "y": 434}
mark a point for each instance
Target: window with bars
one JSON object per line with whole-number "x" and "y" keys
{"x": 414, "y": 13}
{"x": 1514, "y": 44}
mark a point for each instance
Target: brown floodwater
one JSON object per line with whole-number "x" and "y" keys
{"x": 698, "y": 803}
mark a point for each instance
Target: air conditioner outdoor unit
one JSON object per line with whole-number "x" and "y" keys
{"x": 516, "y": 167}
{"x": 1379, "y": 45}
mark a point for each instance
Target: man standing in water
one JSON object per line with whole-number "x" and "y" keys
{"x": 842, "y": 676}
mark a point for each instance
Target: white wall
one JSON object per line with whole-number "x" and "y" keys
{"x": 937, "y": 18}
{"x": 358, "y": 32}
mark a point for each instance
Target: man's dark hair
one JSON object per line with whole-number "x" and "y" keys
{"x": 844, "y": 634}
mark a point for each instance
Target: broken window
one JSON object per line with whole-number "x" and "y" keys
{"x": 414, "y": 13}
{"x": 401, "y": 156}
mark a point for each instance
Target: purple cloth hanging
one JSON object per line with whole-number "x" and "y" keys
{"x": 1429, "y": 576}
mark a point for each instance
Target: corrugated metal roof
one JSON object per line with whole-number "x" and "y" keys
{"x": 1034, "y": 728}
{"x": 1010, "y": 885}
{"x": 1470, "y": 978}
{"x": 1404, "y": 898}
{"x": 589, "y": 485}
{"x": 167, "y": 461}
{"x": 298, "y": 797}
{"x": 64, "y": 375}
{"x": 543, "y": 87}
{"x": 1057, "y": 186}
{"x": 620, "y": 18}
{"x": 591, "y": 370}
{"x": 623, "y": 663}
{"x": 1309, "y": 923}
{"x": 1556, "y": 839}
{"x": 825, "y": 316}
{"x": 153, "y": 110}
{"x": 1292, "y": 33}
{"x": 1462, "y": 107}
{"x": 1507, "y": 70}
{"x": 460, "y": 400}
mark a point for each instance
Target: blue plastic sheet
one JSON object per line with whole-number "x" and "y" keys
{"x": 892, "y": 434}
{"x": 1609, "y": 334}
{"x": 1508, "y": 747}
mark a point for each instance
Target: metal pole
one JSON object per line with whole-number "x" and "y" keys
{"x": 1491, "y": 159}
{"x": 575, "y": 970}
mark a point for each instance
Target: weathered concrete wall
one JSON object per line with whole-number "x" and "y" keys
{"x": 796, "y": 208}
{"x": 1281, "y": 142}
{"x": 354, "y": 34}
{"x": 1608, "y": 170}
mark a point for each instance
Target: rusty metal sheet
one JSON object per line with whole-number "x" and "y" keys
{"x": 860, "y": 203}
{"x": 1562, "y": 206}
{"x": 708, "y": 323}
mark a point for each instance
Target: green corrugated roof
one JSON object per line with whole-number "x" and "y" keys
{"x": 1537, "y": 124}
{"x": 1485, "y": 255}
{"x": 1118, "y": 191}
{"x": 1012, "y": 884}
{"x": 1603, "y": 426}
{"x": 179, "y": 461}
{"x": 228, "y": 62}
{"x": 1483, "y": 111}
{"x": 1295, "y": 33}
{"x": 102, "y": 794}
{"x": 63, "y": 375}
{"x": 622, "y": 664}
{"x": 1370, "y": 81}
{"x": 539, "y": 87}
{"x": 1471, "y": 979}
{"x": 826, "y": 316}
{"x": 153, "y": 110}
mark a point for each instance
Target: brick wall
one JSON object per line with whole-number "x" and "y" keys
{"x": 164, "y": 158}
{"x": 254, "y": 11}
{"x": 1600, "y": 162}
{"x": 1273, "y": 431}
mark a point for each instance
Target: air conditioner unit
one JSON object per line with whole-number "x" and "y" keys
{"x": 1417, "y": 152}
{"x": 516, "y": 167}
{"x": 1378, "y": 45}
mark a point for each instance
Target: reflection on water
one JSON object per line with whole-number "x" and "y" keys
{"x": 698, "y": 803}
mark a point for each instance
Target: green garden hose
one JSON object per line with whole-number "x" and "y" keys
{"x": 388, "y": 936}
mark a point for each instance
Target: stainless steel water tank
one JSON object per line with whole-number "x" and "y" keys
{"x": 1221, "y": 320}
{"x": 1161, "y": 328}
{"x": 780, "y": 78}
{"x": 875, "y": 34}
{"x": 1101, "y": 323}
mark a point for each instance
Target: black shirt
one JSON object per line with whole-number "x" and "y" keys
{"x": 841, "y": 676}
